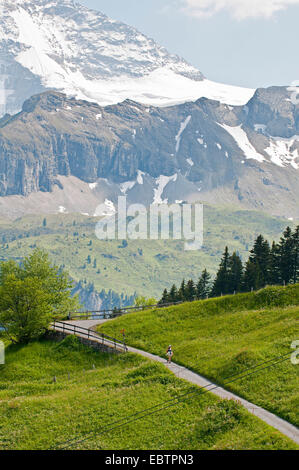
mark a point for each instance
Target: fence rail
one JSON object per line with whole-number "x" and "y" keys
{"x": 88, "y": 334}
{"x": 107, "y": 314}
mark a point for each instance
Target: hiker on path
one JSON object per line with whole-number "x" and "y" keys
{"x": 169, "y": 354}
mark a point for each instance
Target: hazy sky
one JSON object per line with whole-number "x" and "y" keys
{"x": 251, "y": 43}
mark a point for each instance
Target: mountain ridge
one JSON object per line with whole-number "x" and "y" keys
{"x": 203, "y": 150}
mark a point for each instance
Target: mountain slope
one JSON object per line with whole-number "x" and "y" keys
{"x": 219, "y": 338}
{"x": 64, "y": 46}
{"x": 143, "y": 266}
{"x": 70, "y": 156}
{"x": 94, "y": 389}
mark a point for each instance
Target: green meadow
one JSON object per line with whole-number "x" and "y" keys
{"x": 219, "y": 338}
{"x": 94, "y": 391}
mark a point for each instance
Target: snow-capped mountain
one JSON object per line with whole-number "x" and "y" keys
{"x": 61, "y": 45}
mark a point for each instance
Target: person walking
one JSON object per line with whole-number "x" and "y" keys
{"x": 169, "y": 354}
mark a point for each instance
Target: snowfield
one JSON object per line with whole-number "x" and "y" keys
{"x": 82, "y": 53}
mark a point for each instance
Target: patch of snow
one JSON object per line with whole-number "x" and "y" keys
{"x": 93, "y": 185}
{"x": 125, "y": 187}
{"x": 241, "y": 139}
{"x": 105, "y": 209}
{"x": 281, "y": 153}
{"x": 178, "y": 137}
{"x": 200, "y": 141}
{"x": 99, "y": 116}
{"x": 219, "y": 146}
{"x": 62, "y": 210}
{"x": 190, "y": 161}
{"x": 140, "y": 176}
{"x": 162, "y": 182}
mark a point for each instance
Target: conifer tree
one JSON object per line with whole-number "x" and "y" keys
{"x": 251, "y": 277}
{"x": 274, "y": 265}
{"x": 221, "y": 283}
{"x": 173, "y": 294}
{"x": 182, "y": 292}
{"x": 296, "y": 255}
{"x": 235, "y": 273}
{"x": 204, "y": 285}
{"x": 165, "y": 298}
{"x": 286, "y": 256}
{"x": 260, "y": 260}
{"x": 190, "y": 291}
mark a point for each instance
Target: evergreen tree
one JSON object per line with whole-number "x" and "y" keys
{"x": 251, "y": 277}
{"x": 296, "y": 255}
{"x": 182, "y": 292}
{"x": 203, "y": 287}
{"x": 190, "y": 291}
{"x": 173, "y": 294}
{"x": 274, "y": 265}
{"x": 286, "y": 256}
{"x": 221, "y": 283}
{"x": 165, "y": 298}
{"x": 235, "y": 273}
{"x": 258, "y": 268}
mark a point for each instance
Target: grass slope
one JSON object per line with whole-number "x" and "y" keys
{"x": 220, "y": 337}
{"x": 36, "y": 413}
{"x": 145, "y": 267}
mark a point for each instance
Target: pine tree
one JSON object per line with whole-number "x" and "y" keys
{"x": 286, "y": 255}
{"x": 252, "y": 277}
{"x": 203, "y": 287}
{"x": 221, "y": 283}
{"x": 182, "y": 292}
{"x": 260, "y": 257}
{"x": 274, "y": 265}
{"x": 165, "y": 298}
{"x": 173, "y": 294}
{"x": 190, "y": 291}
{"x": 296, "y": 255}
{"x": 235, "y": 273}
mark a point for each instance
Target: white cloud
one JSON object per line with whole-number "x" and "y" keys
{"x": 239, "y": 9}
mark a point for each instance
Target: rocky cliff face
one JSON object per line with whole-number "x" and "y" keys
{"x": 207, "y": 150}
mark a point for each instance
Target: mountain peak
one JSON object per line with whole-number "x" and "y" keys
{"x": 65, "y": 46}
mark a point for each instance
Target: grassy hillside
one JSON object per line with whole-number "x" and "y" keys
{"x": 221, "y": 337}
{"x": 37, "y": 413}
{"x": 145, "y": 267}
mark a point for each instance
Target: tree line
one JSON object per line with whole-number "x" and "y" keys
{"x": 267, "y": 265}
